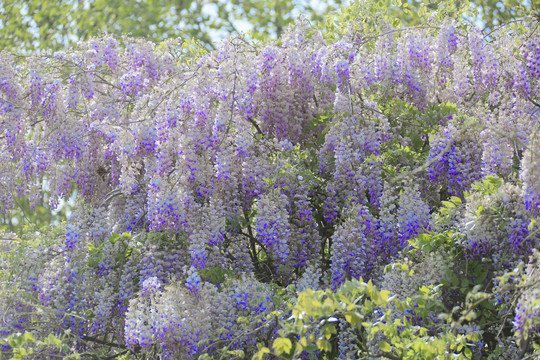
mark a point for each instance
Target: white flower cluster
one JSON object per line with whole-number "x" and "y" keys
{"x": 180, "y": 322}
{"x": 530, "y": 175}
{"x": 430, "y": 271}
{"x": 496, "y": 225}
{"x": 527, "y": 319}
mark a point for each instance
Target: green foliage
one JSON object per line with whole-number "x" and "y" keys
{"x": 488, "y": 186}
{"x": 282, "y": 346}
{"x": 49, "y": 25}
{"x": 376, "y": 17}
{"x": 26, "y": 346}
{"x": 448, "y": 208}
{"x": 379, "y": 320}
{"x": 216, "y": 275}
{"x": 25, "y": 214}
{"x": 95, "y": 252}
{"x": 494, "y": 13}
{"x": 271, "y": 17}
{"x": 34, "y": 243}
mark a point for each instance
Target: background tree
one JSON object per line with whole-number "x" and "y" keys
{"x": 493, "y": 13}
{"x": 52, "y": 25}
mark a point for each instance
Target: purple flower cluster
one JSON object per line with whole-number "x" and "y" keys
{"x": 454, "y": 161}
{"x": 413, "y": 216}
{"x": 355, "y": 246}
{"x": 531, "y": 53}
{"x": 272, "y": 225}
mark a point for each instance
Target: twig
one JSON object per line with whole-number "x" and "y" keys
{"x": 252, "y": 121}
{"x": 102, "y": 342}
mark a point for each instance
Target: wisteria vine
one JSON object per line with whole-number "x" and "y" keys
{"x": 209, "y": 186}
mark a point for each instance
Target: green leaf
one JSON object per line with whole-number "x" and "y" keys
{"x": 27, "y": 337}
{"x": 324, "y": 345}
{"x": 260, "y": 354}
{"x": 329, "y": 330}
{"x": 385, "y": 346}
{"x": 449, "y": 204}
{"x": 282, "y": 345}
{"x": 237, "y": 353}
{"x": 480, "y": 210}
{"x": 384, "y": 295}
{"x": 531, "y": 224}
